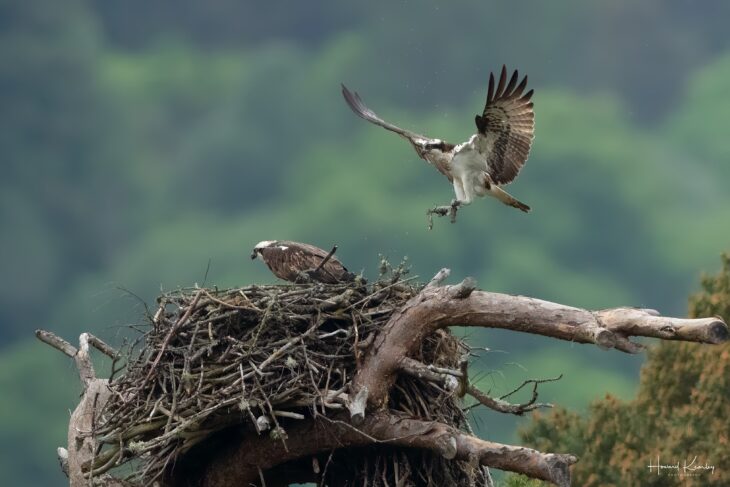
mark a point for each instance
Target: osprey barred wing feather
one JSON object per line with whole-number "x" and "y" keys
{"x": 289, "y": 260}
{"x": 508, "y": 122}
{"x": 490, "y": 158}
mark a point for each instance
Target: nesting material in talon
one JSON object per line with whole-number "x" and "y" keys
{"x": 439, "y": 210}
{"x": 454, "y": 208}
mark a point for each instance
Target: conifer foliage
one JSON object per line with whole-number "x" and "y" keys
{"x": 679, "y": 417}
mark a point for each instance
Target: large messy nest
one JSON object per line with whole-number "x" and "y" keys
{"x": 261, "y": 358}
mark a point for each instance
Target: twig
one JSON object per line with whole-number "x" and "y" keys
{"x": 56, "y": 342}
{"x": 534, "y": 382}
{"x": 101, "y": 346}
{"x": 326, "y": 259}
{"x": 286, "y": 347}
{"x": 288, "y": 414}
{"x": 172, "y": 331}
{"x": 498, "y": 404}
{"x": 208, "y": 356}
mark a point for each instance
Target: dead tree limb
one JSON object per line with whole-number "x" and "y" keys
{"x": 438, "y": 307}
{"x": 240, "y": 466}
{"x": 451, "y": 380}
{"x": 502, "y": 406}
{"x": 287, "y": 359}
{"x": 447, "y": 378}
{"x": 82, "y": 442}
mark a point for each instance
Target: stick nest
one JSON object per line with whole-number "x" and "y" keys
{"x": 263, "y": 357}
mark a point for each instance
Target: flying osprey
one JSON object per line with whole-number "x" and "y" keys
{"x": 296, "y": 262}
{"x": 490, "y": 158}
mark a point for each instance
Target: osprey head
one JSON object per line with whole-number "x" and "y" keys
{"x": 256, "y": 252}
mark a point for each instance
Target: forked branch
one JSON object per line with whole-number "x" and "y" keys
{"x": 393, "y": 345}
{"x": 438, "y": 307}
{"x": 454, "y": 380}
{"x": 241, "y": 465}
{"x": 83, "y": 422}
{"x": 499, "y": 404}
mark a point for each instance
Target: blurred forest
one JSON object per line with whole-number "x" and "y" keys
{"x": 142, "y": 143}
{"x": 679, "y": 415}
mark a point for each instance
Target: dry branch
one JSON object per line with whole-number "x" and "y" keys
{"x": 460, "y": 305}
{"x": 82, "y": 427}
{"x": 305, "y": 372}
{"x": 240, "y": 465}
{"x": 453, "y": 380}
{"x": 448, "y": 378}
{"x": 502, "y": 406}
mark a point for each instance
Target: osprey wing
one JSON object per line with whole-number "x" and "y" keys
{"x": 508, "y": 122}
{"x": 424, "y": 145}
{"x": 304, "y": 257}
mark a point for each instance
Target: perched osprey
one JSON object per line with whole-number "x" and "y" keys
{"x": 490, "y": 158}
{"x": 294, "y": 261}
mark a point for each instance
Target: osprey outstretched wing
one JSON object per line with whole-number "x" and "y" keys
{"x": 434, "y": 151}
{"x": 291, "y": 261}
{"x": 488, "y": 159}
{"x": 508, "y": 123}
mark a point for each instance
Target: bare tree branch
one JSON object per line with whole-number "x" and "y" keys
{"x": 499, "y": 404}
{"x": 102, "y": 346}
{"x": 439, "y": 307}
{"x": 439, "y": 278}
{"x": 326, "y": 259}
{"x": 56, "y": 342}
{"x": 388, "y": 351}
{"x": 80, "y": 355}
{"x": 82, "y": 424}
{"x": 648, "y": 323}
{"x": 172, "y": 331}
{"x": 241, "y": 465}
{"x": 464, "y": 289}
{"x": 448, "y": 379}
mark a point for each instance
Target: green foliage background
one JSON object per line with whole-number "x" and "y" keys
{"x": 140, "y": 141}
{"x": 679, "y": 416}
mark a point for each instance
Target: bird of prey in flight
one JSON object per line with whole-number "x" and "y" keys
{"x": 489, "y": 159}
{"x": 300, "y": 262}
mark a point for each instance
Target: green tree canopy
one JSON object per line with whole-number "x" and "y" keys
{"x": 679, "y": 415}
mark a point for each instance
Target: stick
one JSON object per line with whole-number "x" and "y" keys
{"x": 325, "y": 260}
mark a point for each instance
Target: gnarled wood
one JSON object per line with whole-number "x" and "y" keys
{"x": 241, "y": 465}
{"x": 81, "y": 440}
{"x": 388, "y": 351}
{"x": 439, "y": 307}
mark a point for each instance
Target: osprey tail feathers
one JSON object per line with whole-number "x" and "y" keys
{"x": 507, "y": 198}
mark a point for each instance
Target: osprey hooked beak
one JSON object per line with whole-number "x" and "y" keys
{"x": 254, "y": 254}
